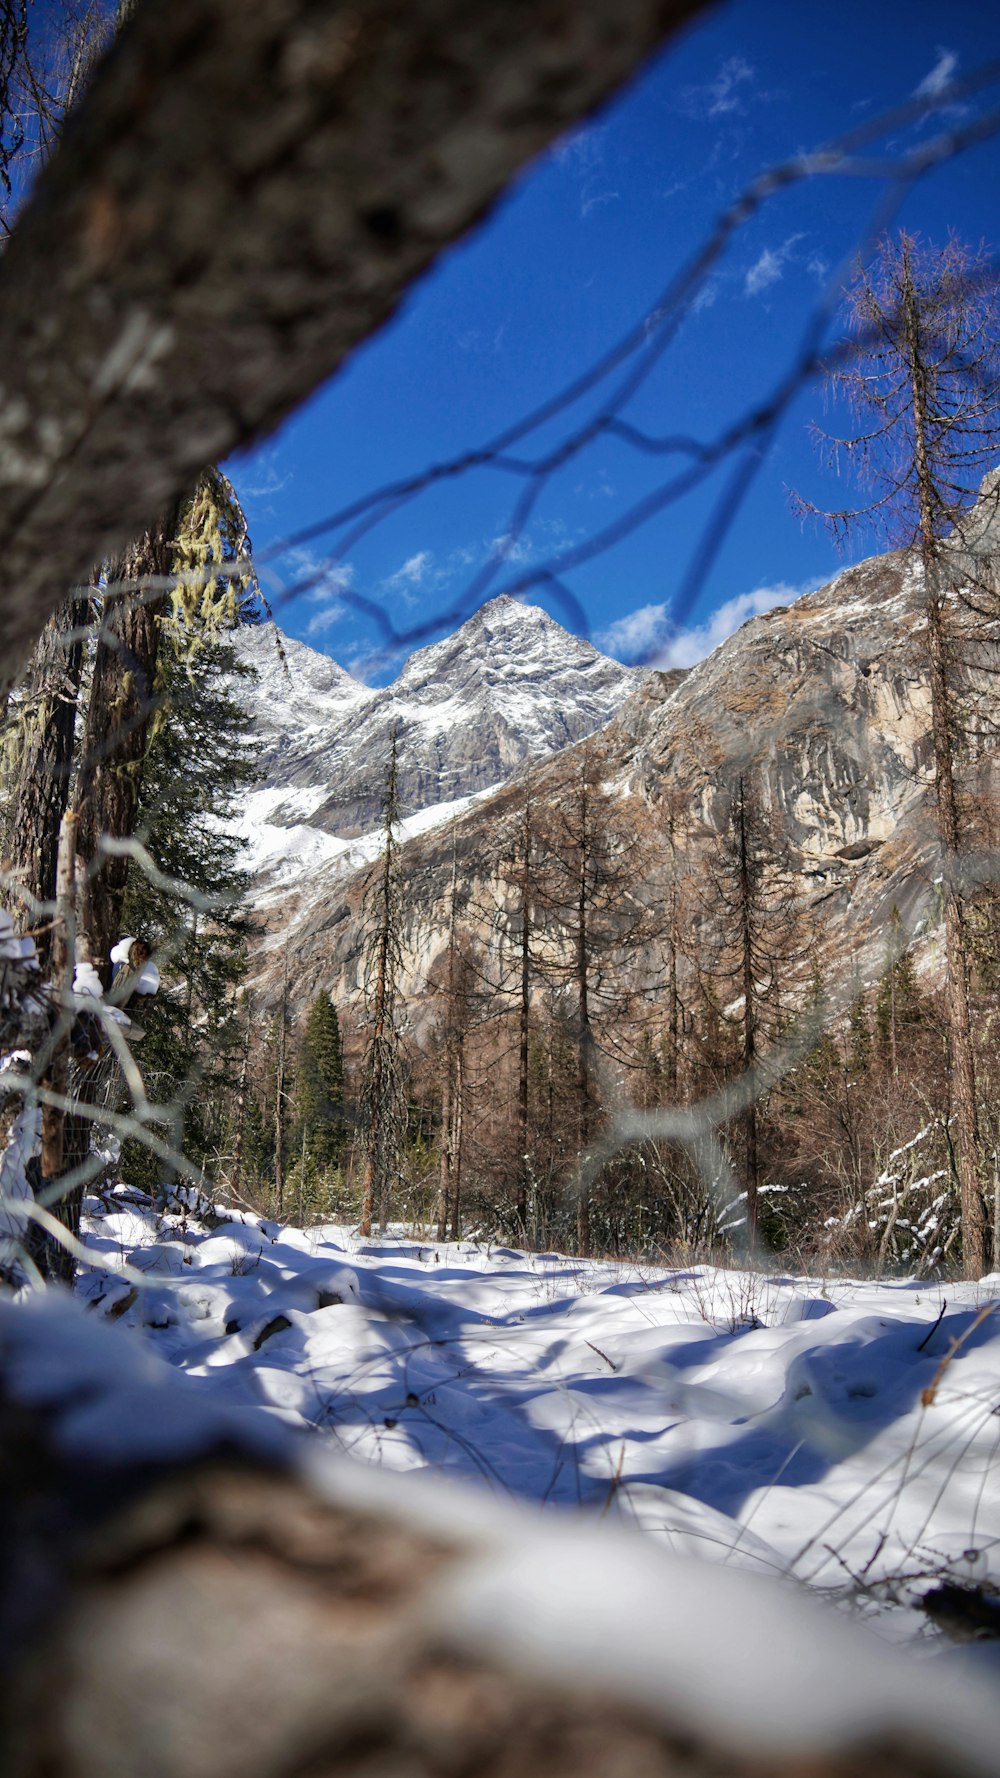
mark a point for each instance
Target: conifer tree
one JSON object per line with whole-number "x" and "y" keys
{"x": 193, "y": 912}
{"x": 897, "y": 1003}
{"x": 319, "y": 1088}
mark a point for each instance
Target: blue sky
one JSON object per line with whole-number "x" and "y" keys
{"x": 577, "y": 254}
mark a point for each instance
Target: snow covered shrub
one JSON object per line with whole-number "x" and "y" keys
{"x": 909, "y": 1219}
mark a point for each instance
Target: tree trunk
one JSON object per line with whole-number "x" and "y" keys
{"x": 43, "y": 773}
{"x": 444, "y": 1164}
{"x": 224, "y": 1618}
{"x": 524, "y": 1030}
{"x": 451, "y": 1035}
{"x": 64, "y": 1142}
{"x": 963, "y": 1071}
{"x": 236, "y": 1178}
{"x": 458, "y": 1117}
{"x": 119, "y": 717}
{"x": 279, "y": 1096}
{"x": 384, "y": 1111}
{"x": 583, "y": 1034}
{"x": 191, "y": 264}
{"x": 746, "y": 891}
{"x": 673, "y": 992}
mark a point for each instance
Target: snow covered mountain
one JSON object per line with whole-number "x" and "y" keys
{"x": 824, "y": 705}
{"x": 510, "y": 685}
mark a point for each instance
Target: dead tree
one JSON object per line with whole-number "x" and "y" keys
{"x": 925, "y": 385}
{"x": 752, "y": 950}
{"x": 382, "y": 1095}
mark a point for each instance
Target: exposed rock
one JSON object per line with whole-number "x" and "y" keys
{"x": 510, "y": 685}
{"x": 824, "y": 702}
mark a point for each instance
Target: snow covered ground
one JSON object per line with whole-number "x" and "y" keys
{"x": 799, "y": 1427}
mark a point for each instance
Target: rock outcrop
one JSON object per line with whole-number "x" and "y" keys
{"x": 510, "y": 685}
{"x": 823, "y": 704}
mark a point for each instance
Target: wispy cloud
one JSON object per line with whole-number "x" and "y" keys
{"x": 414, "y": 572}
{"x": 704, "y": 298}
{"x": 476, "y": 344}
{"x": 325, "y": 618}
{"x": 727, "y": 93}
{"x": 769, "y": 268}
{"x": 320, "y": 583}
{"x": 941, "y": 76}
{"x": 263, "y": 479}
{"x": 583, "y": 150}
{"x": 598, "y": 486}
{"x": 645, "y": 634}
{"x": 582, "y": 156}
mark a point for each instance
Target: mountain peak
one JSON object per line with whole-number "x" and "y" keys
{"x": 509, "y": 686}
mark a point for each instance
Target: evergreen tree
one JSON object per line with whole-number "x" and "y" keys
{"x": 193, "y": 911}
{"x": 319, "y": 1095}
{"x": 897, "y": 1003}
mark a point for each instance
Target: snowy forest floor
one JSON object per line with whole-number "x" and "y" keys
{"x": 800, "y": 1427}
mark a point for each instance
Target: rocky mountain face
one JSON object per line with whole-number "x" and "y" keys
{"x": 823, "y": 706}
{"x": 510, "y": 685}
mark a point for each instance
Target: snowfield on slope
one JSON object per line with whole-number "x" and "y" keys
{"x": 829, "y": 1430}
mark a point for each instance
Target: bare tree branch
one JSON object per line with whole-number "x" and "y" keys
{"x": 242, "y": 197}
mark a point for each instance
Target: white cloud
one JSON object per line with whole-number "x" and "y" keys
{"x": 414, "y": 570}
{"x": 594, "y": 200}
{"x": 325, "y": 618}
{"x": 645, "y": 633}
{"x": 512, "y": 549}
{"x": 328, "y": 580}
{"x": 770, "y": 267}
{"x": 305, "y": 575}
{"x": 941, "y": 75}
{"x": 636, "y": 634}
{"x": 582, "y": 156}
{"x": 583, "y": 151}
{"x": 266, "y": 479}
{"x": 724, "y": 92}
{"x": 724, "y": 95}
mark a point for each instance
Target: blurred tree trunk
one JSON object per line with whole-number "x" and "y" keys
{"x": 42, "y": 741}
{"x": 120, "y": 712}
{"x": 191, "y": 266}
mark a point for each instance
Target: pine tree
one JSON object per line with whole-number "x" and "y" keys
{"x": 193, "y": 911}
{"x": 320, "y": 1126}
{"x": 898, "y": 1001}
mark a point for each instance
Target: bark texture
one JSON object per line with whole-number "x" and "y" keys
{"x": 242, "y": 197}
{"x": 43, "y": 770}
{"x": 119, "y": 716}
{"x": 223, "y": 1622}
